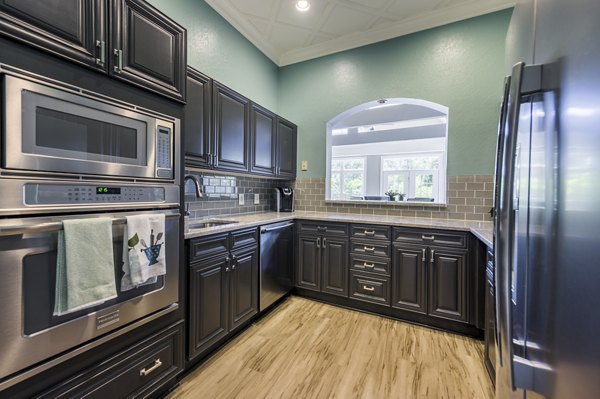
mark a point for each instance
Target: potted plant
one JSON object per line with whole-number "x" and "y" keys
{"x": 391, "y": 194}
{"x": 401, "y": 196}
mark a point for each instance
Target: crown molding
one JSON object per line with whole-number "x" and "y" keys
{"x": 404, "y": 27}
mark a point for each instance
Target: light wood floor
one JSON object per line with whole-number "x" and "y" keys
{"x": 306, "y": 349}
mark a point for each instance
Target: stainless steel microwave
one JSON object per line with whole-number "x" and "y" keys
{"x": 48, "y": 128}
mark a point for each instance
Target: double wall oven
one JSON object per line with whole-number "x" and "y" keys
{"x": 67, "y": 153}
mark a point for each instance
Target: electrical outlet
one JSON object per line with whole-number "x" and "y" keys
{"x": 256, "y": 199}
{"x": 241, "y": 197}
{"x": 304, "y": 165}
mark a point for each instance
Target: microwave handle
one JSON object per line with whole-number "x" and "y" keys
{"x": 54, "y": 226}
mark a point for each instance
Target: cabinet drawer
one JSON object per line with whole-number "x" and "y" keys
{"x": 430, "y": 237}
{"x": 325, "y": 228}
{"x": 370, "y": 231}
{"x": 244, "y": 238}
{"x": 202, "y": 248}
{"x": 370, "y": 288}
{"x": 370, "y": 247}
{"x": 370, "y": 264}
{"x": 139, "y": 371}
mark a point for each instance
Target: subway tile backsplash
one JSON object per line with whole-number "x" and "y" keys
{"x": 469, "y": 198}
{"x": 221, "y": 193}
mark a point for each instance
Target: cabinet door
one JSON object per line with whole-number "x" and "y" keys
{"x": 308, "y": 266}
{"x": 409, "y": 278}
{"x": 231, "y": 136}
{"x": 243, "y": 286}
{"x": 197, "y": 119}
{"x": 334, "y": 266}
{"x": 286, "y": 149}
{"x": 148, "y": 48}
{"x": 209, "y": 289}
{"x": 447, "y": 284}
{"x": 74, "y": 29}
{"x": 262, "y": 138}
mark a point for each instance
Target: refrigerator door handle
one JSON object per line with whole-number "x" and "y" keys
{"x": 495, "y": 210}
{"x": 524, "y": 81}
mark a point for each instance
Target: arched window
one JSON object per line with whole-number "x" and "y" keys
{"x": 388, "y": 150}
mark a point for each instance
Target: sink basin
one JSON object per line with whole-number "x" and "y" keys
{"x": 209, "y": 223}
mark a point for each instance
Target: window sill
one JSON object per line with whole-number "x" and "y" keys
{"x": 389, "y": 203}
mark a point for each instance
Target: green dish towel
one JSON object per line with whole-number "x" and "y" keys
{"x": 85, "y": 272}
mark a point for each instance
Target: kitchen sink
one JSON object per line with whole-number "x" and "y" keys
{"x": 210, "y": 223}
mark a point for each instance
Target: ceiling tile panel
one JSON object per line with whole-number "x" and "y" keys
{"x": 344, "y": 20}
{"x": 287, "y": 35}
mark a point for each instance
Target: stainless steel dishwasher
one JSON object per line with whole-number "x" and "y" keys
{"x": 276, "y": 262}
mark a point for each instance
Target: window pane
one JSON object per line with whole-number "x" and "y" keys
{"x": 396, "y": 183}
{"x": 411, "y": 163}
{"x": 335, "y": 184}
{"x": 336, "y": 164}
{"x": 353, "y": 184}
{"x": 424, "y": 186}
{"x": 354, "y": 164}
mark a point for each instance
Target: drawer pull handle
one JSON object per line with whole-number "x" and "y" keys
{"x": 368, "y": 288}
{"x": 369, "y": 249}
{"x": 369, "y": 232}
{"x": 157, "y": 364}
{"x": 370, "y": 265}
{"x": 428, "y": 238}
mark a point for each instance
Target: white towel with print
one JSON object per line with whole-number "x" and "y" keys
{"x": 143, "y": 250}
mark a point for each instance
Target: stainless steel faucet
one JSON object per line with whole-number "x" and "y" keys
{"x": 194, "y": 179}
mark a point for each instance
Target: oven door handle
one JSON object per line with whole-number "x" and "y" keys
{"x": 55, "y": 226}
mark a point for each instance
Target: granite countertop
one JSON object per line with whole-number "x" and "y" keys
{"x": 482, "y": 230}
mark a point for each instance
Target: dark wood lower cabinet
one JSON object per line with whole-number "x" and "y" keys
{"x": 140, "y": 371}
{"x": 322, "y": 263}
{"x": 334, "y": 266}
{"x": 243, "y": 286}
{"x": 209, "y": 294}
{"x": 409, "y": 286}
{"x": 308, "y": 267}
{"x": 223, "y": 289}
{"x": 448, "y": 283}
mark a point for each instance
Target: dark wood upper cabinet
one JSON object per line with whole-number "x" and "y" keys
{"x": 231, "y": 134}
{"x": 74, "y": 29}
{"x": 208, "y": 308}
{"x": 263, "y": 137}
{"x": 244, "y": 286}
{"x": 409, "y": 284}
{"x": 287, "y": 134}
{"x": 147, "y": 48}
{"x": 447, "y": 283}
{"x": 308, "y": 266}
{"x": 197, "y": 131}
{"x": 334, "y": 266}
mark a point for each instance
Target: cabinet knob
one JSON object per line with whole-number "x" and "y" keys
{"x": 227, "y": 270}
{"x": 232, "y": 267}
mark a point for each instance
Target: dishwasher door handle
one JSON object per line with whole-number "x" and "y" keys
{"x": 266, "y": 230}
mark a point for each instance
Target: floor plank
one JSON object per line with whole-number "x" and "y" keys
{"x": 306, "y": 349}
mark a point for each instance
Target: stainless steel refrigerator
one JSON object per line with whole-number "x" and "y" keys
{"x": 547, "y": 237}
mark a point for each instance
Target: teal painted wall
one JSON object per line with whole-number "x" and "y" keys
{"x": 460, "y": 65}
{"x": 221, "y": 52}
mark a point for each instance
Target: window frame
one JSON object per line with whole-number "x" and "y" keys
{"x": 342, "y": 172}
{"x": 412, "y": 173}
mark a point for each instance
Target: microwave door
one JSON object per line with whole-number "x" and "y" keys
{"x": 51, "y": 130}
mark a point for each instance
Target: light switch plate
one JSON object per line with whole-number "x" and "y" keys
{"x": 241, "y": 197}
{"x": 256, "y": 199}
{"x": 304, "y": 165}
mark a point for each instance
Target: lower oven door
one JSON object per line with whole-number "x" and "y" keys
{"x": 29, "y": 333}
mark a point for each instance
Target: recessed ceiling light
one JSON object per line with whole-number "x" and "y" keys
{"x": 302, "y": 5}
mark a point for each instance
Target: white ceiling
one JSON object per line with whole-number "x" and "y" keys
{"x": 287, "y": 35}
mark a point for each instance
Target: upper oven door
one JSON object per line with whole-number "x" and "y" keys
{"x": 52, "y": 130}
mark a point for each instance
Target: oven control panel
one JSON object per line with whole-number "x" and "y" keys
{"x": 67, "y": 194}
